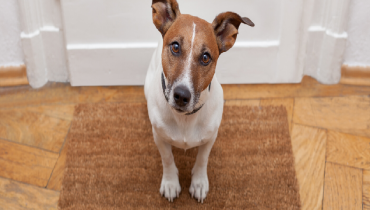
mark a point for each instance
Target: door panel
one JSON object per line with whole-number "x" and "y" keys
{"x": 111, "y": 42}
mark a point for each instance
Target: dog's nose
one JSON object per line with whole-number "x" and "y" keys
{"x": 182, "y": 96}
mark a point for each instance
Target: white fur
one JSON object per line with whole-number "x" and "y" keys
{"x": 188, "y": 64}
{"x": 182, "y": 131}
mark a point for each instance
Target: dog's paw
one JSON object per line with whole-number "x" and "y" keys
{"x": 170, "y": 188}
{"x": 199, "y": 186}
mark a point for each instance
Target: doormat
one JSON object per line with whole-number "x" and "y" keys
{"x": 113, "y": 162}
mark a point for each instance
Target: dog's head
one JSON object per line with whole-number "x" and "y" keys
{"x": 191, "y": 47}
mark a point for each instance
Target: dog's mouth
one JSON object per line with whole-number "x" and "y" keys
{"x": 179, "y": 110}
{"x": 184, "y": 110}
{"x": 195, "y": 110}
{"x": 188, "y": 110}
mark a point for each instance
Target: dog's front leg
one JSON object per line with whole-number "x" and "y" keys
{"x": 170, "y": 186}
{"x": 199, "y": 181}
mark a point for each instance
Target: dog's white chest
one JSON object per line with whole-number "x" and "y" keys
{"x": 184, "y": 133}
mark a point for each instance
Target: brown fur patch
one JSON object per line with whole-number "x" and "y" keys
{"x": 226, "y": 27}
{"x": 164, "y": 13}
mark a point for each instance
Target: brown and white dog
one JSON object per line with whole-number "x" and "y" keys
{"x": 185, "y": 100}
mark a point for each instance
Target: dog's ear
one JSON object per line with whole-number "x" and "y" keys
{"x": 226, "y": 27}
{"x": 164, "y": 13}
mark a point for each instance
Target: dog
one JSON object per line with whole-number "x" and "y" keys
{"x": 184, "y": 98}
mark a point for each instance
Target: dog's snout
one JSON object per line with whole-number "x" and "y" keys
{"x": 182, "y": 96}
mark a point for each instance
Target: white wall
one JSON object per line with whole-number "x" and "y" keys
{"x": 10, "y": 42}
{"x": 358, "y": 43}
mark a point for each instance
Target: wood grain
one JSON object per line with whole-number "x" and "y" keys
{"x": 13, "y": 75}
{"x": 343, "y": 187}
{"x": 366, "y": 189}
{"x": 355, "y": 75}
{"x": 15, "y": 195}
{"x": 40, "y": 127}
{"x": 309, "y": 152}
{"x": 288, "y": 103}
{"x": 355, "y": 81}
{"x": 26, "y": 164}
{"x": 350, "y": 114}
{"x": 64, "y": 111}
{"x": 309, "y": 87}
{"x": 348, "y": 150}
{"x": 55, "y": 182}
{"x": 242, "y": 102}
{"x": 61, "y": 93}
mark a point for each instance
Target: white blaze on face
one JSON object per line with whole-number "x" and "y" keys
{"x": 187, "y": 73}
{"x": 186, "y": 76}
{"x": 188, "y": 63}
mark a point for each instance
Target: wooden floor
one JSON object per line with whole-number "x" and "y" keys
{"x": 329, "y": 126}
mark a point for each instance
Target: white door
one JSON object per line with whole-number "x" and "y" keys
{"x": 111, "y": 42}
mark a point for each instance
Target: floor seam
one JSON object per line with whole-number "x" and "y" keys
{"x": 340, "y": 164}
{"x": 28, "y": 184}
{"x": 27, "y": 145}
{"x": 331, "y": 129}
{"x": 60, "y": 151}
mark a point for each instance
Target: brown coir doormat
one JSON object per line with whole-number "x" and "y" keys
{"x": 113, "y": 162}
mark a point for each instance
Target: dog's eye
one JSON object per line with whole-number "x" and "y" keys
{"x": 206, "y": 58}
{"x": 175, "y": 48}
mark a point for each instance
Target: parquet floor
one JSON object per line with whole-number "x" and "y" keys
{"x": 329, "y": 126}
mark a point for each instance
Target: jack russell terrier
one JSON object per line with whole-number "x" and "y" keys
{"x": 185, "y": 100}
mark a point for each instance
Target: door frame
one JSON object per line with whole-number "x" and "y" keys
{"x": 43, "y": 41}
{"x": 318, "y": 51}
{"x": 324, "y": 39}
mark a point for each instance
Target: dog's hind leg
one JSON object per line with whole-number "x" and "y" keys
{"x": 199, "y": 186}
{"x": 170, "y": 186}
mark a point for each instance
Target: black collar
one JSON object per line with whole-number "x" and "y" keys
{"x": 164, "y": 93}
